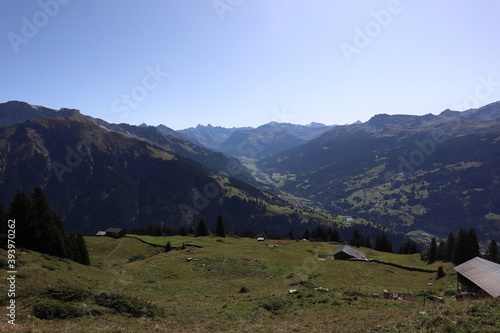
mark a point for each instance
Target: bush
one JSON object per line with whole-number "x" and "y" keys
{"x": 66, "y": 293}
{"x": 440, "y": 272}
{"x": 127, "y": 304}
{"x": 243, "y": 290}
{"x": 272, "y": 304}
{"x": 53, "y": 309}
{"x": 136, "y": 258}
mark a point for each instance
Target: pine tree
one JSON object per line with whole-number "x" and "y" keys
{"x": 474, "y": 244}
{"x": 290, "y": 234}
{"x": 336, "y": 236}
{"x": 382, "y": 243}
{"x": 368, "y": 243}
{"x": 220, "y": 231}
{"x": 450, "y": 247}
{"x": 433, "y": 251}
{"x": 168, "y": 247}
{"x": 202, "y": 229}
{"x": 306, "y": 235}
{"x": 461, "y": 249}
{"x": 357, "y": 239}
{"x": 72, "y": 250}
{"x": 441, "y": 251}
{"x": 52, "y": 234}
{"x": 21, "y": 210}
{"x": 182, "y": 231}
{"x": 83, "y": 252}
{"x": 320, "y": 234}
{"x": 492, "y": 253}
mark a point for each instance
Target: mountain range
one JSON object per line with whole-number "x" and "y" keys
{"x": 96, "y": 174}
{"x": 415, "y": 175}
{"x": 433, "y": 173}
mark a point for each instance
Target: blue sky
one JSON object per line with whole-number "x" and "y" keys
{"x": 248, "y": 62}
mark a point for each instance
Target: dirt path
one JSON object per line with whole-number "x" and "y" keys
{"x": 113, "y": 251}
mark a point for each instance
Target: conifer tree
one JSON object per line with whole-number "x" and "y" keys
{"x": 474, "y": 244}
{"x": 72, "y": 250}
{"x": 450, "y": 247}
{"x": 368, "y": 243}
{"x": 492, "y": 252}
{"x": 461, "y": 248}
{"x": 168, "y": 247}
{"x": 52, "y": 235}
{"x": 320, "y": 234}
{"x": 441, "y": 251}
{"x": 21, "y": 210}
{"x": 357, "y": 239}
{"x": 335, "y": 236}
{"x": 433, "y": 251}
{"x": 202, "y": 229}
{"x": 306, "y": 234}
{"x": 220, "y": 231}
{"x": 290, "y": 234}
{"x": 83, "y": 252}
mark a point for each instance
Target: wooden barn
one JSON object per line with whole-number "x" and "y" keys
{"x": 346, "y": 252}
{"x": 115, "y": 232}
{"x": 480, "y": 276}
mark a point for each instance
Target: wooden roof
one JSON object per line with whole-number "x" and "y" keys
{"x": 484, "y": 273}
{"x": 114, "y": 230}
{"x": 350, "y": 251}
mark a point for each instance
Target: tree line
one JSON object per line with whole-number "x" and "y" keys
{"x": 40, "y": 228}
{"x": 459, "y": 249}
{"x": 319, "y": 234}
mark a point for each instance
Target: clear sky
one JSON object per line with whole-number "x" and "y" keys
{"x": 249, "y": 62}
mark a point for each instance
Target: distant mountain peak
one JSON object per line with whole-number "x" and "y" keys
{"x": 316, "y": 125}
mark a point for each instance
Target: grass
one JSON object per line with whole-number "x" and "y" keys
{"x": 204, "y": 294}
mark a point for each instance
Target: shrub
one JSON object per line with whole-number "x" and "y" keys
{"x": 53, "y": 309}
{"x": 243, "y": 290}
{"x": 136, "y": 258}
{"x": 440, "y": 272}
{"x": 66, "y": 293}
{"x": 127, "y": 304}
{"x": 272, "y": 304}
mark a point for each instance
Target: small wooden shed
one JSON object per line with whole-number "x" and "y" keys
{"x": 346, "y": 252}
{"x": 115, "y": 232}
{"x": 480, "y": 276}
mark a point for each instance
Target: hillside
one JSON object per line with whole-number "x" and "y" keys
{"x": 100, "y": 178}
{"x": 174, "y": 142}
{"x": 432, "y": 173}
{"x": 233, "y": 285}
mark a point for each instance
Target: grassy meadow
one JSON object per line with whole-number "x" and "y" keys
{"x": 237, "y": 285}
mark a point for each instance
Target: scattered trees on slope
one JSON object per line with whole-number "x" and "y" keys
{"x": 39, "y": 228}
